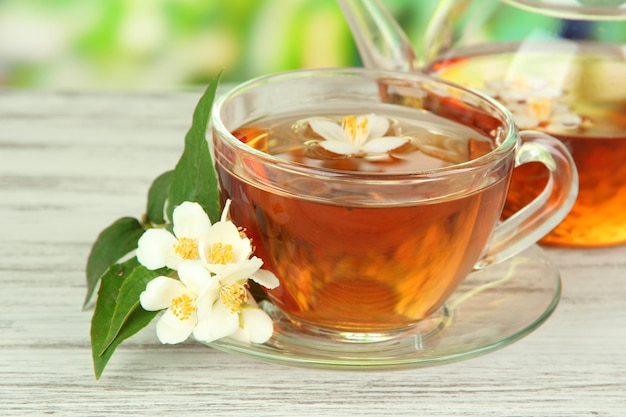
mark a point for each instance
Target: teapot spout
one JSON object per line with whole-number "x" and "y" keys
{"x": 381, "y": 43}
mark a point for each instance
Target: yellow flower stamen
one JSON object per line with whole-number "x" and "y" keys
{"x": 348, "y": 124}
{"x": 363, "y": 124}
{"x": 354, "y": 130}
{"x": 182, "y": 307}
{"x": 220, "y": 254}
{"x": 187, "y": 248}
{"x": 233, "y": 296}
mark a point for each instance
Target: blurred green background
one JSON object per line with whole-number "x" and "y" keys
{"x": 174, "y": 44}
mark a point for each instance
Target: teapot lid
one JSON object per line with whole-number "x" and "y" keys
{"x": 575, "y": 9}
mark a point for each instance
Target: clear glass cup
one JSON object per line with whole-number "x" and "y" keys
{"x": 559, "y": 67}
{"x": 370, "y": 236}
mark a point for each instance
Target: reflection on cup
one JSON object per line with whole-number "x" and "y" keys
{"x": 372, "y": 195}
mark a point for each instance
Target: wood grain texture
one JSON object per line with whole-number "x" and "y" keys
{"x": 70, "y": 164}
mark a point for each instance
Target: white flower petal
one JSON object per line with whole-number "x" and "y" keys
{"x": 384, "y": 144}
{"x": 525, "y": 122}
{"x": 265, "y": 278}
{"x": 567, "y": 120}
{"x": 559, "y": 108}
{"x": 514, "y": 95}
{"x": 155, "y": 249}
{"x": 159, "y": 293}
{"x": 225, "y": 211}
{"x": 328, "y": 130}
{"x": 218, "y": 323}
{"x": 173, "y": 261}
{"x": 194, "y": 275}
{"x": 172, "y": 330}
{"x": 207, "y": 297}
{"x": 241, "y": 335}
{"x": 340, "y": 148}
{"x": 257, "y": 326}
{"x": 191, "y": 221}
{"x": 228, "y": 234}
{"x": 240, "y": 271}
{"x": 203, "y": 249}
{"x": 376, "y": 125}
{"x": 517, "y": 108}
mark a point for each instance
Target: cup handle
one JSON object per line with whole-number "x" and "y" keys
{"x": 547, "y": 210}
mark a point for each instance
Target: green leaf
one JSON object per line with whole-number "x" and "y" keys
{"x": 157, "y": 198}
{"x": 112, "y": 244}
{"x": 128, "y": 300}
{"x": 194, "y": 176}
{"x": 137, "y": 320}
{"x": 110, "y": 289}
{"x": 111, "y": 283}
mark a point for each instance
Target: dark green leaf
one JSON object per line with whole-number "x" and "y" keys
{"x": 111, "y": 283}
{"x": 137, "y": 320}
{"x": 112, "y": 244}
{"x": 157, "y": 198}
{"x": 128, "y": 300}
{"x": 194, "y": 176}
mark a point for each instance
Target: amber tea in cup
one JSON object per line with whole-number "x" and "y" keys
{"x": 372, "y": 195}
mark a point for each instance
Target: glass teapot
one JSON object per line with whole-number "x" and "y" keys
{"x": 558, "y": 65}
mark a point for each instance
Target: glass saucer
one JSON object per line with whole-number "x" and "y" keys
{"x": 491, "y": 309}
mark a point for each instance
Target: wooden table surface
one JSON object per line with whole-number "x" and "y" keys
{"x": 72, "y": 163}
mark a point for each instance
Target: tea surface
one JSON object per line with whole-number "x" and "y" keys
{"x": 432, "y": 142}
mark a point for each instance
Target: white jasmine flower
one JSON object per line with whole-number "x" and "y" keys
{"x": 534, "y": 103}
{"x": 211, "y": 298}
{"x": 224, "y": 245}
{"x": 356, "y": 135}
{"x": 225, "y": 307}
{"x": 158, "y": 247}
{"x": 179, "y": 297}
{"x": 544, "y": 112}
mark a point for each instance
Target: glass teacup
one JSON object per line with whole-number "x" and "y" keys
{"x": 373, "y": 194}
